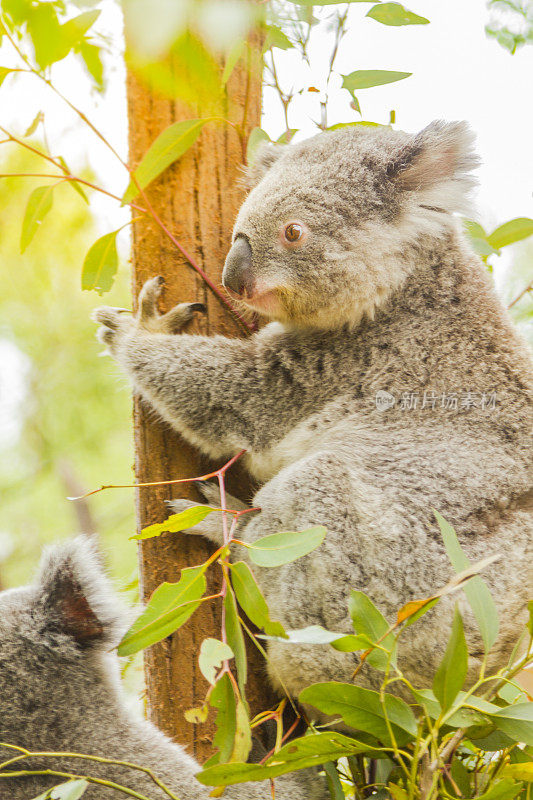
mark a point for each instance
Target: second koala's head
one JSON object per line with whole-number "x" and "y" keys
{"x": 332, "y": 224}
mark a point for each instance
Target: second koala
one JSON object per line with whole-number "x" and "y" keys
{"x": 60, "y": 693}
{"x": 349, "y": 244}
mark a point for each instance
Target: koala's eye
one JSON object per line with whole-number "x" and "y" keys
{"x": 294, "y": 232}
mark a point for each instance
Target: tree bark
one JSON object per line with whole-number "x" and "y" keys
{"x": 197, "y": 199}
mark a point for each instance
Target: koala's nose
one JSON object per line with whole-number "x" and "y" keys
{"x": 237, "y": 275}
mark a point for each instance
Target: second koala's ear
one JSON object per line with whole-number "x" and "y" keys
{"x": 441, "y": 152}
{"x": 265, "y": 155}
{"x": 75, "y": 599}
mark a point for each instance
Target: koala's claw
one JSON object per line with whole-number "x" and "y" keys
{"x": 149, "y": 296}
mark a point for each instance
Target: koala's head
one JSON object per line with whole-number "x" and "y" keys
{"x": 332, "y": 224}
{"x": 54, "y": 638}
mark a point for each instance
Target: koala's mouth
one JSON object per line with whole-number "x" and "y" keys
{"x": 266, "y": 302}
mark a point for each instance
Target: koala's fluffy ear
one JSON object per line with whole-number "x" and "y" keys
{"x": 443, "y": 152}
{"x": 74, "y": 598}
{"x": 265, "y": 155}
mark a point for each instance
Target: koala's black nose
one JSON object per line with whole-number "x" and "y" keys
{"x": 237, "y": 275}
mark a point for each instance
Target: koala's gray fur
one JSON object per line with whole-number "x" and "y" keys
{"x": 383, "y": 294}
{"x": 60, "y": 692}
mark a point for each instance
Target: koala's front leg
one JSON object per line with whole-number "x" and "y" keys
{"x": 196, "y": 383}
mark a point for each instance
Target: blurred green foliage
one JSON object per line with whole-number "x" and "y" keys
{"x": 75, "y": 411}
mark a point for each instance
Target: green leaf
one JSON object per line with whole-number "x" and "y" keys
{"x": 251, "y": 600}
{"x": 75, "y": 29}
{"x": 530, "y": 620}
{"x": 74, "y": 184}
{"x": 368, "y": 620}
{"x": 476, "y": 590}
{"x": 307, "y": 751}
{"x": 168, "y": 609}
{"x": 257, "y": 135}
{"x": 286, "y": 136}
{"x": 362, "y": 709}
{"x": 175, "y": 523}
{"x": 282, "y": 548}
{"x": 212, "y": 653}
{"x": 510, "y": 232}
{"x": 276, "y": 38}
{"x": 336, "y": 791}
{"x": 243, "y": 733}
{"x": 232, "y": 59}
{"x": 71, "y": 790}
{"x": 352, "y": 644}
{"x": 313, "y": 634}
{"x": 39, "y": 204}
{"x": 101, "y": 264}
{"x": 365, "y": 78}
{"x": 46, "y": 35}
{"x": 451, "y": 674}
{"x": 516, "y": 721}
{"x": 396, "y": 792}
{"x": 92, "y": 58}
{"x": 395, "y": 14}
{"x": 39, "y": 117}
{"x": 502, "y": 790}
{"x": 223, "y": 699}
{"x": 4, "y": 72}
{"x": 169, "y": 146}
{"x": 235, "y": 638}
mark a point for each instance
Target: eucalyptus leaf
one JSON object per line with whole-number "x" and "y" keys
{"x": 510, "y": 232}
{"x": 236, "y": 638}
{"x": 4, "y": 72}
{"x": 369, "y": 621}
{"x": 476, "y": 590}
{"x": 169, "y": 146}
{"x": 257, "y": 135}
{"x": 72, "y": 790}
{"x": 232, "y": 58}
{"x": 366, "y": 78}
{"x": 395, "y": 14}
{"x": 307, "y": 751}
{"x": 212, "y": 653}
{"x": 223, "y": 699}
{"x": 175, "y": 523}
{"x": 282, "y": 548}
{"x": 39, "y": 205}
{"x": 336, "y": 792}
{"x": 101, "y": 264}
{"x": 516, "y": 721}
{"x": 363, "y": 710}
{"x": 505, "y": 789}
{"x": 251, "y": 600}
{"x": 168, "y": 609}
{"x": 451, "y": 674}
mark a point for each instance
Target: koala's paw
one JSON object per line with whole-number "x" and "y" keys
{"x": 148, "y": 316}
{"x": 115, "y": 322}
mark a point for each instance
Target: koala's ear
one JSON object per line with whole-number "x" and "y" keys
{"x": 265, "y": 155}
{"x": 74, "y": 598}
{"x": 441, "y": 152}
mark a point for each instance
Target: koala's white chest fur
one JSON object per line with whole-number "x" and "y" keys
{"x": 308, "y": 437}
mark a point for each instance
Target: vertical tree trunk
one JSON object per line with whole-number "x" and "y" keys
{"x": 197, "y": 200}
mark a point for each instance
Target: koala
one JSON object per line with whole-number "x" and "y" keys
{"x": 60, "y": 692}
{"x": 389, "y": 382}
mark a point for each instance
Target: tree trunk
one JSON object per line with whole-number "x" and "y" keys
{"x": 197, "y": 199}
